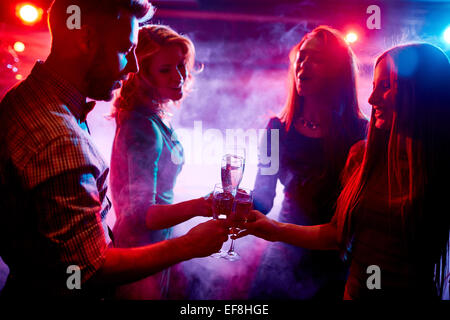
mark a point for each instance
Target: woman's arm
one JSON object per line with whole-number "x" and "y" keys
{"x": 318, "y": 237}
{"x": 160, "y": 216}
{"x": 143, "y": 149}
{"x": 264, "y": 190}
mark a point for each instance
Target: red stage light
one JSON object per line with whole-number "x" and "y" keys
{"x": 351, "y": 37}
{"x": 28, "y": 13}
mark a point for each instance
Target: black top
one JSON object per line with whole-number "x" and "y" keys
{"x": 309, "y": 194}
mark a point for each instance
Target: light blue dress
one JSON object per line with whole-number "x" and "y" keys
{"x": 145, "y": 162}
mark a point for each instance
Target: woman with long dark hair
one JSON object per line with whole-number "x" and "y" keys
{"x": 393, "y": 211}
{"x": 318, "y": 125}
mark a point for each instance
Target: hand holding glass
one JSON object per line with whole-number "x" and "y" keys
{"x": 222, "y": 205}
{"x": 242, "y": 205}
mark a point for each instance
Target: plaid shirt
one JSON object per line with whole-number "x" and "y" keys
{"x": 53, "y": 183}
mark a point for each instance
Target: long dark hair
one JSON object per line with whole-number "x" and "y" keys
{"x": 347, "y": 124}
{"x": 419, "y": 136}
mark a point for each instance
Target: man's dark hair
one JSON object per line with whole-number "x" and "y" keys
{"x": 96, "y": 13}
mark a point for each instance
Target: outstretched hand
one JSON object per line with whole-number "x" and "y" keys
{"x": 260, "y": 226}
{"x": 201, "y": 207}
{"x": 208, "y": 237}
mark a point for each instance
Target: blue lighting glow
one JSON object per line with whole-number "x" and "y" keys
{"x": 447, "y": 35}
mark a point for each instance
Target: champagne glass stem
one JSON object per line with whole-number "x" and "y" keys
{"x": 232, "y": 255}
{"x": 231, "y": 246}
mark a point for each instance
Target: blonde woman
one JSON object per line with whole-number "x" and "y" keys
{"x": 147, "y": 157}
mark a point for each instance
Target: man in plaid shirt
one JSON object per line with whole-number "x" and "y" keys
{"x": 53, "y": 179}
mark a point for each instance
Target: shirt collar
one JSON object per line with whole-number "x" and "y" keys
{"x": 69, "y": 95}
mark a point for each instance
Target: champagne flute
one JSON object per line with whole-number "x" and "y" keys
{"x": 238, "y": 151}
{"x": 222, "y": 204}
{"x": 242, "y": 205}
{"x": 232, "y": 168}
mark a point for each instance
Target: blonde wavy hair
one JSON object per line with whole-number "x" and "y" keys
{"x": 151, "y": 39}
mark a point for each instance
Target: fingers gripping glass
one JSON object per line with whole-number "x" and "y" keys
{"x": 243, "y": 202}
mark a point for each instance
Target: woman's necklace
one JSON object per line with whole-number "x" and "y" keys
{"x": 308, "y": 124}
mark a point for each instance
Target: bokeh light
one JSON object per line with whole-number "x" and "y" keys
{"x": 28, "y": 13}
{"x": 447, "y": 35}
{"x": 19, "y": 46}
{"x": 351, "y": 37}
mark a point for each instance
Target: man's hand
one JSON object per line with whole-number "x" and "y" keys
{"x": 260, "y": 226}
{"x": 124, "y": 265}
{"x": 207, "y": 238}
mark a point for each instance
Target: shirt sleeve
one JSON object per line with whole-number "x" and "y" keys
{"x": 264, "y": 190}
{"x": 62, "y": 178}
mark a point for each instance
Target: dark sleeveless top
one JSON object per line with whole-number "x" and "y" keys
{"x": 308, "y": 197}
{"x": 286, "y": 271}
